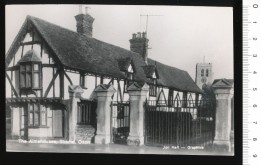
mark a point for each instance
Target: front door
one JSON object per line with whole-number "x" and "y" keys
{"x": 57, "y": 123}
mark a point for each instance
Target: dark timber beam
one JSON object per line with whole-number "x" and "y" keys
{"x": 12, "y": 68}
{"x": 62, "y": 83}
{"x": 13, "y": 89}
{"x": 68, "y": 78}
{"x": 51, "y": 83}
{"x": 48, "y": 65}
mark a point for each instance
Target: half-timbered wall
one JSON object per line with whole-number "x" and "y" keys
{"x": 47, "y": 71}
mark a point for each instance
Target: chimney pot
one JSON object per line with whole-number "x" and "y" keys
{"x": 139, "y": 35}
{"x": 134, "y": 36}
{"x": 144, "y": 34}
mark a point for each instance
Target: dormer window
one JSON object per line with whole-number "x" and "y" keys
{"x": 30, "y": 71}
{"x": 152, "y": 76}
{"x": 130, "y": 76}
{"x": 130, "y": 72}
{"x": 153, "y": 88}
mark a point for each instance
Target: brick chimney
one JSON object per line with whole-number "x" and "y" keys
{"x": 139, "y": 44}
{"x": 84, "y": 23}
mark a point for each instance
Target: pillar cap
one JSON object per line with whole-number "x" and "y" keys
{"x": 138, "y": 87}
{"x": 105, "y": 88}
{"x": 223, "y": 84}
{"x": 75, "y": 89}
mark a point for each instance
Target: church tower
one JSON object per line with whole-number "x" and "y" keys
{"x": 204, "y": 74}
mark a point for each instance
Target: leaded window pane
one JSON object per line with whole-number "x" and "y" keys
{"x": 35, "y": 67}
{"x": 36, "y": 119}
{"x": 36, "y": 108}
{"x": 31, "y": 118}
{"x": 36, "y": 80}
{"x": 22, "y": 68}
{"x": 28, "y": 79}
{"x": 28, "y": 67}
{"x": 22, "y": 80}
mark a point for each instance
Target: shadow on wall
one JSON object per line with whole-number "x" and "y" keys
{"x": 8, "y": 122}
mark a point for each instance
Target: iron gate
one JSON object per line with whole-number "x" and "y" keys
{"x": 120, "y": 122}
{"x": 87, "y": 113}
{"x": 181, "y": 124}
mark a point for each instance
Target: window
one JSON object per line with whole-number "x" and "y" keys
{"x": 130, "y": 76}
{"x": 207, "y": 73}
{"x": 153, "y": 88}
{"x": 83, "y": 81}
{"x": 202, "y": 72}
{"x": 37, "y": 115}
{"x": 30, "y": 75}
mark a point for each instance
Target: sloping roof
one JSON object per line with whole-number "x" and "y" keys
{"x": 124, "y": 63}
{"x": 173, "y": 77}
{"x": 149, "y": 70}
{"x": 88, "y": 54}
{"x": 30, "y": 55}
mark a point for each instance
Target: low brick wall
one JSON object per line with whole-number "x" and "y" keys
{"x": 85, "y": 132}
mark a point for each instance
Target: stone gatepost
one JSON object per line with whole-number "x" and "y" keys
{"x": 75, "y": 92}
{"x": 224, "y": 92}
{"x": 104, "y": 99}
{"x": 137, "y": 94}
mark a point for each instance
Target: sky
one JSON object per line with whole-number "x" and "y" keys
{"x": 180, "y": 37}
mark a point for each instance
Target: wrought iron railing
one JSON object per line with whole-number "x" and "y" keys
{"x": 179, "y": 124}
{"x": 120, "y": 122}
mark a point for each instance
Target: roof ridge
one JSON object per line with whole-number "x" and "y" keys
{"x": 167, "y": 65}
{"x": 33, "y": 17}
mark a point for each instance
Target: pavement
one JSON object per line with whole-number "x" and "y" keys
{"x": 18, "y": 146}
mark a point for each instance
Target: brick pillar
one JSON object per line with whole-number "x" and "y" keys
{"x": 75, "y": 92}
{"x": 222, "y": 139}
{"x": 137, "y": 94}
{"x": 104, "y": 99}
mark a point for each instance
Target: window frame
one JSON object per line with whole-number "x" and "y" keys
{"x": 40, "y": 112}
{"x": 24, "y": 73}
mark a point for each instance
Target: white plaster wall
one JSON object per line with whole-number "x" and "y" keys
{"x": 15, "y": 121}
{"x": 39, "y": 132}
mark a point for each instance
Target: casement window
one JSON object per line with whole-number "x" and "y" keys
{"x": 30, "y": 75}
{"x": 37, "y": 115}
{"x": 153, "y": 88}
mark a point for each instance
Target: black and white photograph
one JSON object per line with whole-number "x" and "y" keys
{"x": 119, "y": 79}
